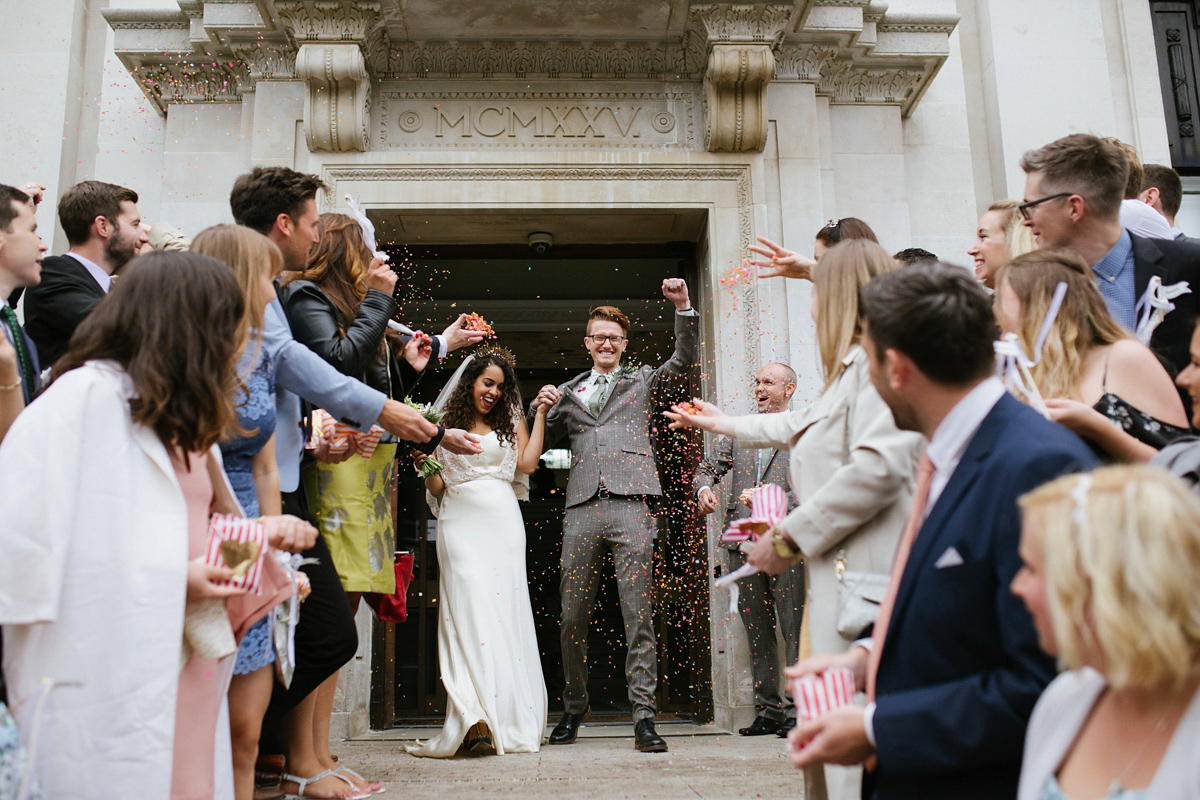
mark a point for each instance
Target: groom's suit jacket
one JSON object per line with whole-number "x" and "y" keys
{"x": 614, "y": 449}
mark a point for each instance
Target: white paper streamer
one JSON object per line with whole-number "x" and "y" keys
{"x": 730, "y": 579}
{"x": 368, "y": 227}
{"x": 1155, "y": 304}
{"x": 1016, "y": 365}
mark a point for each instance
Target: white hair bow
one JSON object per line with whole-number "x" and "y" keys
{"x": 1016, "y": 365}
{"x": 1155, "y": 304}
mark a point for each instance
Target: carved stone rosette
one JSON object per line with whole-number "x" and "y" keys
{"x": 735, "y": 96}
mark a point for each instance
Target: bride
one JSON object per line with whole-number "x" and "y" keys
{"x": 491, "y": 667}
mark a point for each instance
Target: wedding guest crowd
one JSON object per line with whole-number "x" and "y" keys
{"x": 186, "y": 543}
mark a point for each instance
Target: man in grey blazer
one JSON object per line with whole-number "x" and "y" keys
{"x": 606, "y": 416}
{"x": 762, "y": 596}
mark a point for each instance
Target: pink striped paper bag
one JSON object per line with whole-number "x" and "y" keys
{"x": 342, "y": 437}
{"x": 239, "y": 544}
{"x": 817, "y": 695}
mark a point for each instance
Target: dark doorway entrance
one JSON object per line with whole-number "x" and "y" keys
{"x": 538, "y": 305}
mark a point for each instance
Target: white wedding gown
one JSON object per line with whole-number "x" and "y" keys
{"x": 487, "y": 649}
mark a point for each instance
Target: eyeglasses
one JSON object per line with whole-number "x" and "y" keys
{"x": 598, "y": 340}
{"x": 834, "y": 229}
{"x": 1024, "y": 207}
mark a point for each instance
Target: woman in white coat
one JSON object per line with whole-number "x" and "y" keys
{"x": 852, "y": 471}
{"x": 94, "y": 557}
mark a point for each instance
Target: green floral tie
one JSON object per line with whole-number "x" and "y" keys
{"x": 597, "y": 400}
{"x": 18, "y": 342}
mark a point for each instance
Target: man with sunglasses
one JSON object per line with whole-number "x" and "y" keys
{"x": 1073, "y": 192}
{"x": 605, "y": 415}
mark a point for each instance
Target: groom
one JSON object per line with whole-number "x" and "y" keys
{"x": 606, "y": 417}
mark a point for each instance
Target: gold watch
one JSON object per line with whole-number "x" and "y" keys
{"x": 783, "y": 547}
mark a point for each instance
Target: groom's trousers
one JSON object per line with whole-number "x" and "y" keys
{"x": 626, "y": 527}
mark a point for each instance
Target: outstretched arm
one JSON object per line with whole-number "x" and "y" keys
{"x": 687, "y": 330}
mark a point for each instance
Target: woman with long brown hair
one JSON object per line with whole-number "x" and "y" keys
{"x": 852, "y": 471}
{"x": 109, "y": 482}
{"x": 1096, "y": 379}
{"x": 339, "y": 307}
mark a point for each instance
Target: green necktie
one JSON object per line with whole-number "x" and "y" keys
{"x": 18, "y": 343}
{"x": 597, "y": 401}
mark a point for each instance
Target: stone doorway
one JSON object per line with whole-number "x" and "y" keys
{"x": 538, "y": 304}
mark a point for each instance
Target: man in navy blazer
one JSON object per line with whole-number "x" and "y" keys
{"x": 957, "y": 667}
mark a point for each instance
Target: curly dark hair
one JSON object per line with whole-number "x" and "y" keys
{"x": 460, "y": 408}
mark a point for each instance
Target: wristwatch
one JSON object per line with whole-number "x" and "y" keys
{"x": 783, "y": 546}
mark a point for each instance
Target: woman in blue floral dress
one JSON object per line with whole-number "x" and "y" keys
{"x": 252, "y": 471}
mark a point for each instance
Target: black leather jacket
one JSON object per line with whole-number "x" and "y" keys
{"x": 314, "y": 321}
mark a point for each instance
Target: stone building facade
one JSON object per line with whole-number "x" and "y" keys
{"x": 748, "y": 119}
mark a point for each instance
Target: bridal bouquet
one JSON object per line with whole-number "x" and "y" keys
{"x": 430, "y": 466}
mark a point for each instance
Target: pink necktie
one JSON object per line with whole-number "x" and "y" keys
{"x": 903, "y": 549}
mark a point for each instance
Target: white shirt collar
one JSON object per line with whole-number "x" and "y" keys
{"x": 609, "y": 375}
{"x": 95, "y": 270}
{"x": 1176, "y": 231}
{"x": 957, "y": 428}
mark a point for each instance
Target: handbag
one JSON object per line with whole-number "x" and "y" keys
{"x": 394, "y": 607}
{"x": 860, "y": 595}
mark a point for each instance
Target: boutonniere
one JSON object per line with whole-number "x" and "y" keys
{"x": 628, "y": 371}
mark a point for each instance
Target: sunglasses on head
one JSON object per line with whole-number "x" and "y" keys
{"x": 834, "y": 229}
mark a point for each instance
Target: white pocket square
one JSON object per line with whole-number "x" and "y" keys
{"x": 950, "y": 558}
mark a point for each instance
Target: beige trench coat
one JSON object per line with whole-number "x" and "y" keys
{"x": 853, "y": 473}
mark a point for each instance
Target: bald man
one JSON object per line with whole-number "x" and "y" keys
{"x": 762, "y": 598}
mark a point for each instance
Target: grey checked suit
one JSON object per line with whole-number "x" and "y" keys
{"x": 613, "y": 472}
{"x": 762, "y": 597}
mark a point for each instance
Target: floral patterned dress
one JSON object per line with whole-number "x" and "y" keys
{"x": 256, "y": 414}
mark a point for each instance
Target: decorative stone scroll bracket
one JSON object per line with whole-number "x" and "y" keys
{"x": 735, "y": 96}
{"x": 740, "y": 65}
{"x": 333, "y": 36}
{"x": 338, "y": 97}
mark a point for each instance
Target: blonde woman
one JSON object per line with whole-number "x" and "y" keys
{"x": 1096, "y": 378}
{"x": 852, "y": 471}
{"x": 1111, "y": 564}
{"x": 1001, "y": 236}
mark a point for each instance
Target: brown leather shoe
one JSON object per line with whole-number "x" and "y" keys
{"x": 269, "y": 794}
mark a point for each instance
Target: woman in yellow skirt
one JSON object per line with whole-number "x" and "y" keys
{"x": 339, "y": 307}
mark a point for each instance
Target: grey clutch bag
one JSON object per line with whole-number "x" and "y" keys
{"x": 859, "y": 596}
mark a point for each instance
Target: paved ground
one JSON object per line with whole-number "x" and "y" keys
{"x": 702, "y": 763}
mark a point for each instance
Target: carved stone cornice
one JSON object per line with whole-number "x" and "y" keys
{"x": 731, "y": 23}
{"x": 853, "y": 51}
{"x": 192, "y": 82}
{"x": 266, "y": 60}
{"x": 329, "y": 20}
{"x": 521, "y": 60}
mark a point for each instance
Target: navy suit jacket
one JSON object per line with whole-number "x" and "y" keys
{"x": 961, "y": 667}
